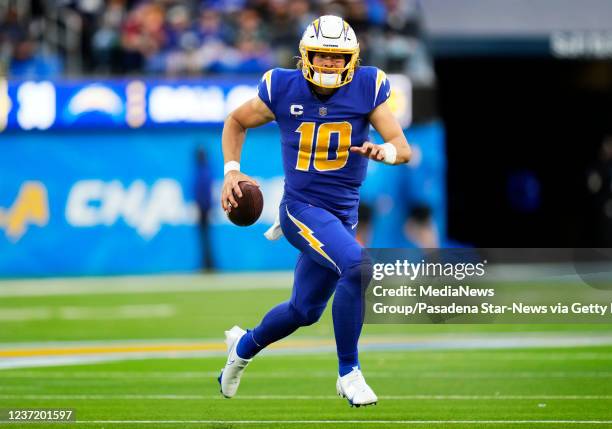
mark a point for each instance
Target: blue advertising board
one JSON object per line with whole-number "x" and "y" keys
{"x": 135, "y": 103}
{"x": 119, "y": 104}
{"x": 116, "y": 202}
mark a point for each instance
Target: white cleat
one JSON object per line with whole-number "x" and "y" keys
{"x": 229, "y": 379}
{"x": 354, "y": 388}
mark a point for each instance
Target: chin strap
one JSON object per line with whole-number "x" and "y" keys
{"x": 329, "y": 79}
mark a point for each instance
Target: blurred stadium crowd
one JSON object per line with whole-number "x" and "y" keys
{"x": 47, "y": 38}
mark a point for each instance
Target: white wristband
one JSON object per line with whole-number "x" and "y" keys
{"x": 231, "y": 166}
{"x": 390, "y": 153}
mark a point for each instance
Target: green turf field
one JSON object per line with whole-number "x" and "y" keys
{"x": 425, "y": 376}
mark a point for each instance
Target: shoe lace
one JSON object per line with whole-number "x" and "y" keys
{"x": 240, "y": 363}
{"x": 355, "y": 377}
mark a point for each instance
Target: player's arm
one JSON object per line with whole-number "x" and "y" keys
{"x": 251, "y": 114}
{"x": 396, "y": 149}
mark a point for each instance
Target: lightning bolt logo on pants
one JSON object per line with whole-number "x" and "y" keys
{"x": 313, "y": 242}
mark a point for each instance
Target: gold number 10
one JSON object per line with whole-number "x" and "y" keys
{"x": 321, "y": 158}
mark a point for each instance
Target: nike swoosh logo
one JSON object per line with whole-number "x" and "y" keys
{"x": 354, "y": 226}
{"x": 229, "y": 362}
{"x": 388, "y": 93}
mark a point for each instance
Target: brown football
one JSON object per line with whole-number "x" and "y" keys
{"x": 249, "y": 206}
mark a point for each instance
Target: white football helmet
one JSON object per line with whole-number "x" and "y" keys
{"x": 329, "y": 34}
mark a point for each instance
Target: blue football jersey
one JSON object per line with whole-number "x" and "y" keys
{"x": 316, "y": 135}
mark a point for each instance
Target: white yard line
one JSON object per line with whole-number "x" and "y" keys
{"x": 186, "y": 376}
{"x": 141, "y": 311}
{"x": 348, "y": 422}
{"x": 145, "y": 284}
{"x": 25, "y": 314}
{"x": 434, "y": 341}
{"x": 87, "y": 397}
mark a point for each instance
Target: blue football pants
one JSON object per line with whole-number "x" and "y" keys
{"x": 330, "y": 260}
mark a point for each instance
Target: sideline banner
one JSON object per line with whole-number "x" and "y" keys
{"x": 113, "y": 104}
{"x": 112, "y": 203}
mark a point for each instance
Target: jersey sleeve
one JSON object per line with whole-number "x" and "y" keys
{"x": 264, "y": 90}
{"x": 382, "y": 90}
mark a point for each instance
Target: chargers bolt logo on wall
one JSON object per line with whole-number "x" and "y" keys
{"x": 31, "y": 207}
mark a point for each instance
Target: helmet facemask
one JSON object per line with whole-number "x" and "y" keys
{"x": 329, "y": 34}
{"x": 329, "y": 77}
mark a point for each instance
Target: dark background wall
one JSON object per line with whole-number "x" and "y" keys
{"x": 521, "y": 133}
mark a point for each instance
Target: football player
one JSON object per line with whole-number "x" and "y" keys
{"x": 323, "y": 109}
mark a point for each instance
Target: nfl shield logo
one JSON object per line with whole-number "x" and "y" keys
{"x": 322, "y": 111}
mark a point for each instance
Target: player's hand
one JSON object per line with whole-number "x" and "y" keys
{"x": 370, "y": 150}
{"x": 230, "y": 183}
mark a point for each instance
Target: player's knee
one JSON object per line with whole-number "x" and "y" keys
{"x": 356, "y": 264}
{"x": 307, "y": 316}
{"x": 366, "y": 270}
{"x": 313, "y": 315}
{"x": 358, "y": 271}
{"x": 356, "y": 278}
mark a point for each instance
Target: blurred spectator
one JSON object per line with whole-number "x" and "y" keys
{"x": 203, "y": 185}
{"x": 364, "y": 228}
{"x": 288, "y": 19}
{"x": 252, "y": 53}
{"x": 29, "y": 61}
{"x": 215, "y": 36}
{"x": 420, "y": 229}
{"x": 106, "y": 40}
{"x": 251, "y": 56}
{"x": 224, "y": 6}
{"x": 599, "y": 184}
{"x": 143, "y": 36}
{"x": 12, "y": 31}
{"x": 89, "y": 12}
{"x": 210, "y": 27}
{"x": 181, "y": 42}
{"x": 194, "y": 48}
{"x": 249, "y": 25}
{"x": 405, "y": 49}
